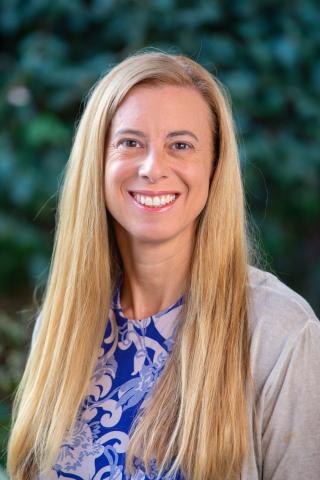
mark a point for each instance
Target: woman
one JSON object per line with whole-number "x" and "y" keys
{"x": 205, "y": 368}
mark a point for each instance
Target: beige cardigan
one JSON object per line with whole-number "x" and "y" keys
{"x": 285, "y": 362}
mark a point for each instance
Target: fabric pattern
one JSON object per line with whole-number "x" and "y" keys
{"x": 96, "y": 447}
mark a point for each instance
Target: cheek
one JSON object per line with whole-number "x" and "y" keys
{"x": 111, "y": 174}
{"x": 116, "y": 177}
{"x": 116, "y": 172}
{"x": 196, "y": 175}
{"x": 200, "y": 183}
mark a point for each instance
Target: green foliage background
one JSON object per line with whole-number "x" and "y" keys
{"x": 267, "y": 53}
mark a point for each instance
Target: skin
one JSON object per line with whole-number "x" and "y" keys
{"x": 156, "y": 247}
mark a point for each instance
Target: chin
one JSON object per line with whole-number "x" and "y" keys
{"x": 152, "y": 236}
{"x": 152, "y": 239}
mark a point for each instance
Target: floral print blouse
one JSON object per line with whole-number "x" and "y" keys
{"x": 95, "y": 449}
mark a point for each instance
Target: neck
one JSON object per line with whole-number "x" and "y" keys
{"x": 155, "y": 274}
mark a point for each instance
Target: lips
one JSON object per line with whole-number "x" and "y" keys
{"x": 158, "y": 193}
{"x": 154, "y": 201}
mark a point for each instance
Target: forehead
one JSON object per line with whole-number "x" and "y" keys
{"x": 176, "y": 106}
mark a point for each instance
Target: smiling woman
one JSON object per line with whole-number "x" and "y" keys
{"x": 160, "y": 351}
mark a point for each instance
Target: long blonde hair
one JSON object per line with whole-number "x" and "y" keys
{"x": 195, "y": 422}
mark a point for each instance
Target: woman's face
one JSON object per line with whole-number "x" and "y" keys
{"x": 158, "y": 163}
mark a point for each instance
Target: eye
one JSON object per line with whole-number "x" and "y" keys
{"x": 182, "y": 146}
{"x": 129, "y": 143}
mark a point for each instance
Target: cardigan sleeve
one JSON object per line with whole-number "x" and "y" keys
{"x": 290, "y": 406}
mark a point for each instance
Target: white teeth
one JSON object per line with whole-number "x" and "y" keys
{"x": 154, "y": 201}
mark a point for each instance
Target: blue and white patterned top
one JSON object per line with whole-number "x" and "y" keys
{"x": 95, "y": 449}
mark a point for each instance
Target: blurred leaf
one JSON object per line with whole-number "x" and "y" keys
{"x": 46, "y": 129}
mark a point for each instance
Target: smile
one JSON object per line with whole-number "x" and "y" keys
{"x": 154, "y": 202}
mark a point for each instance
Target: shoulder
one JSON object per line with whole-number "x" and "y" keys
{"x": 274, "y": 306}
{"x": 268, "y": 292}
{"x": 280, "y": 321}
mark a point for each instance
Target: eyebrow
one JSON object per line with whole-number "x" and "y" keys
{"x": 179, "y": 133}
{"x": 130, "y": 131}
{"x": 139, "y": 133}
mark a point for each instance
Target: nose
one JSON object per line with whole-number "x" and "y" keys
{"x": 153, "y": 166}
